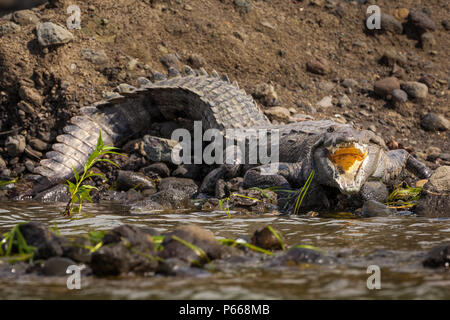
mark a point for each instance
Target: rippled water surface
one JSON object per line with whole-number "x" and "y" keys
{"x": 397, "y": 244}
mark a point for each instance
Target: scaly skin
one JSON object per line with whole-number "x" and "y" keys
{"x": 304, "y": 146}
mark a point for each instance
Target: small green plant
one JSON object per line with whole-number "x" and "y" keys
{"x": 234, "y": 243}
{"x": 302, "y": 192}
{"x": 277, "y": 236}
{"x": 80, "y": 192}
{"x": 403, "y": 197}
{"x": 198, "y": 251}
{"x": 15, "y": 239}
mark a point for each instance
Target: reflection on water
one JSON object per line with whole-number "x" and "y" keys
{"x": 396, "y": 244}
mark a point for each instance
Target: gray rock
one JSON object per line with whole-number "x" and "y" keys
{"x": 399, "y": 95}
{"x": 50, "y": 34}
{"x": 96, "y": 57}
{"x": 439, "y": 257}
{"x": 204, "y": 239}
{"x": 8, "y": 28}
{"x": 421, "y": 21}
{"x": 243, "y": 6}
{"x": 267, "y": 95}
{"x": 434, "y": 199}
{"x": 297, "y": 256}
{"x": 390, "y": 24}
{"x": 427, "y": 41}
{"x": 326, "y": 102}
{"x": 187, "y": 186}
{"x": 158, "y": 168}
{"x": 38, "y": 144}
{"x": 56, "y": 266}
{"x": 415, "y": 90}
{"x": 171, "y": 60}
{"x": 133, "y": 180}
{"x": 158, "y": 149}
{"x": 374, "y": 208}
{"x": 278, "y": 113}
{"x": 349, "y": 83}
{"x": 58, "y": 193}
{"x": 391, "y": 57}
{"x": 15, "y": 145}
{"x": 344, "y": 101}
{"x": 46, "y": 243}
{"x": 374, "y": 190}
{"x": 434, "y": 122}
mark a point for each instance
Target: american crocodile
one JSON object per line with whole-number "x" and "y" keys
{"x": 342, "y": 156}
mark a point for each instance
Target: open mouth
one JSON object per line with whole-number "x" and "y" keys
{"x": 347, "y": 156}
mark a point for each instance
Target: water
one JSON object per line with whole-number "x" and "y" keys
{"x": 396, "y": 244}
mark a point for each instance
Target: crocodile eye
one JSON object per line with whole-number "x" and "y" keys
{"x": 330, "y": 129}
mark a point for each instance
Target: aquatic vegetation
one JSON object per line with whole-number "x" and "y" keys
{"x": 80, "y": 192}
{"x": 277, "y": 236}
{"x": 403, "y": 197}
{"x": 303, "y": 192}
{"x": 15, "y": 240}
{"x": 240, "y": 242}
{"x": 198, "y": 251}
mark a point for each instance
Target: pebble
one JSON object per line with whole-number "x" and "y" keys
{"x": 427, "y": 40}
{"x": 434, "y": 122}
{"x": 15, "y": 145}
{"x": 9, "y": 28}
{"x": 318, "y": 65}
{"x": 244, "y": 6}
{"x": 415, "y": 90}
{"x": 31, "y": 95}
{"x": 278, "y": 113}
{"x": 421, "y": 21}
{"x": 96, "y": 57}
{"x": 267, "y": 95}
{"x": 384, "y": 87}
{"x": 25, "y": 17}
{"x": 398, "y": 95}
{"x": 390, "y": 24}
{"x": 326, "y": 102}
{"x": 50, "y": 34}
{"x": 344, "y": 101}
{"x": 349, "y": 83}
{"x": 391, "y": 57}
{"x": 196, "y": 61}
{"x": 170, "y": 60}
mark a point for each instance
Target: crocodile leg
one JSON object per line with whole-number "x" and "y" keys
{"x": 392, "y": 163}
{"x": 286, "y": 176}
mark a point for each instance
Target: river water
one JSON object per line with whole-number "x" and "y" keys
{"x": 396, "y": 244}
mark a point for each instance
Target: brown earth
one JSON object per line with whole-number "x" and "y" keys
{"x": 268, "y": 43}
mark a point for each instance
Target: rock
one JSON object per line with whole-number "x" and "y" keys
{"x": 196, "y": 61}
{"x": 421, "y": 21}
{"x": 58, "y": 193}
{"x": 278, "y": 113}
{"x": 390, "y": 24}
{"x": 9, "y": 28}
{"x": 374, "y": 208}
{"x": 446, "y": 24}
{"x": 38, "y": 144}
{"x": 318, "y": 65}
{"x": 243, "y": 6}
{"x": 384, "y": 87}
{"x": 189, "y": 171}
{"x": 171, "y": 60}
{"x": 25, "y": 17}
{"x": 26, "y": 107}
{"x": 267, "y": 95}
{"x": 178, "y": 267}
{"x": 158, "y": 168}
{"x": 439, "y": 257}
{"x": 344, "y": 101}
{"x": 145, "y": 206}
{"x": 57, "y": 266}
{"x": 391, "y": 57}
{"x": 133, "y": 180}
{"x": 434, "y": 198}
{"x": 204, "y": 239}
{"x": 50, "y": 34}
{"x": 399, "y": 95}
{"x": 266, "y": 239}
{"x": 434, "y": 122}
{"x": 139, "y": 238}
{"x": 415, "y": 90}
{"x": 349, "y": 83}
{"x": 117, "y": 259}
{"x": 15, "y": 145}
{"x": 427, "y": 41}
{"x": 46, "y": 243}
{"x": 77, "y": 249}
{"x": 401, "y": 13}
{"x": 31, "y": 95}
{"x": 187, "y": 186}
{"x": 2, "y": 163}
{"x": 96, "y": 57}
{"x": 326, "y": 102}
{"x": 175, "y": 192}
{"x": 374, "y": 190}
{"x": 158, "y": 149}
{"x": 296, "y": 256}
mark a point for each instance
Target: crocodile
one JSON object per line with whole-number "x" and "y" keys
{"x": 343, "y": 157}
